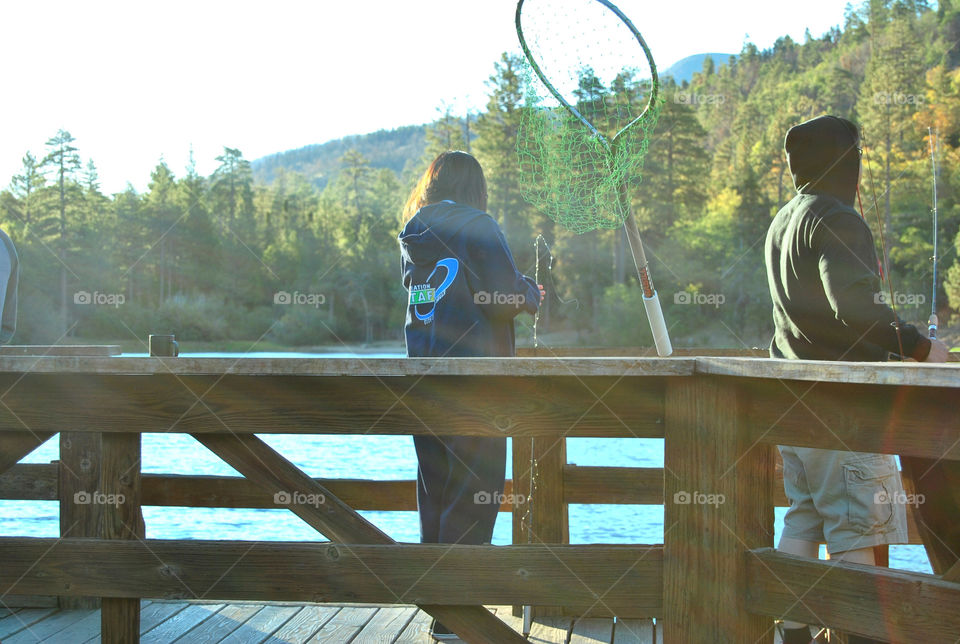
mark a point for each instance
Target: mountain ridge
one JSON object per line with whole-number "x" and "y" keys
{"x": 319, "y": 162}
{"x": 683, "y": 70}
{"x": 397, "y": 148}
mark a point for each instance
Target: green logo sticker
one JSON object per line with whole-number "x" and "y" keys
{"x": 422, "y": 296}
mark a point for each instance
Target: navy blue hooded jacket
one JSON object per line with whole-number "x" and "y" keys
{"x": 463, "y": 288}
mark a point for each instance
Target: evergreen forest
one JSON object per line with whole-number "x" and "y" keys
{"x": 269, "y": 254}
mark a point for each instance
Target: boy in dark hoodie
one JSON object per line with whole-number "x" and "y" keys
{"x": 463, "y": 291}
{"x": 822, "y": 270}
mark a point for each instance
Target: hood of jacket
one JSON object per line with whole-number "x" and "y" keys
{"x": 428, "y": 235}
{"x": 824, "y": 158}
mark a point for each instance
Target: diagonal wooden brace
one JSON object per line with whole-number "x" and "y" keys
{"x": 16, "y": 445}
{"x": 339, "y": 522}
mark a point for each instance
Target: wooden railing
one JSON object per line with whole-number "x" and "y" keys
{"x": 714, "y": 578}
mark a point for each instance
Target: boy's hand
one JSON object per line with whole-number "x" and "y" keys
{"x": 543, "y": 292}
{"x": 938, "y": 351}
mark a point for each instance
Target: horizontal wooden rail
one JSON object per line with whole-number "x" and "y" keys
{"x": 495, "y": 397}
{"x": 645, "y": 352}
{"x": 644, "y": 486}
{"x": 891, "y": 605}
{"x": 912, "y": 421}
{"x": 386, "y": 368}
{"x": 238, "y": 492}
{"x": 581, "y": 484}
{"x": 30, "y": 482}
{"x": 631, "y": 485}
{"x": 79, "y": 350}
{"x": 626, "y": 581}
{"x": 912, "y": 374}
{"x": 372, "y": 405}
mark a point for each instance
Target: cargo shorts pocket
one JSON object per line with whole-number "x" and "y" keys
{"x": 871, "y": 482}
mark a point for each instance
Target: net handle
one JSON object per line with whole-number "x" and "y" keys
{"x": 651, "y": 301}
{"x": 654, "y": 78}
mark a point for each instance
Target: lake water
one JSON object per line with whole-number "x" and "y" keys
{"x": 371, "y": 457}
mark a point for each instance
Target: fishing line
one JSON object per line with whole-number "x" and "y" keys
{"x": 885, "y": 268}
{"x": 552, "y": 287}
{"x": 933, "y": 322}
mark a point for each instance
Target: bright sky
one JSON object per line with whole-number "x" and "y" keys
{"x": 137, "y": 81}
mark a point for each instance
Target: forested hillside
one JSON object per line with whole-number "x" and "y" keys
{"x": 391, "y": 149}
{"x": 309, "y": 257}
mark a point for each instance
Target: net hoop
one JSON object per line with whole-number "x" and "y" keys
{"x": 654, "y": 78}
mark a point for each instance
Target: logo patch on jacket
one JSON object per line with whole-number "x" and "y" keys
{"x": 424, "y": 297}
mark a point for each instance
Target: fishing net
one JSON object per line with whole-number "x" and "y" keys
{"x": 586, "y": 125}
{"x": 592, "y": 103}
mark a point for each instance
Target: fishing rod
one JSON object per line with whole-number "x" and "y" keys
{"x": 933, "y": 322}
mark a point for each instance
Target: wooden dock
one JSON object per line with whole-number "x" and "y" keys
{"x": 715, "y": 577}
{"x": 163, "y": 622}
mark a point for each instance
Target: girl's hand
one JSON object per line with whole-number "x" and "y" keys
{"x": 543, "y": 292}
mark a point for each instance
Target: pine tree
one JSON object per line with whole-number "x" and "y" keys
{"x": 200, "y": 245}
{"x": 63, "y": 159}
{"x": 448, "y": 132}
{"x": 495, "y": 148}
{"x": 232, "y": 189}
{"x": 230, "y": 200}
{"x": 675, "y": 170}
{"x": 25, "y": 189}
{"x": 163, "y": 216}
{"x": 888, "y": 97}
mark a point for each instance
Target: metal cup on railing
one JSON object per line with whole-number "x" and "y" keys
{"x": 164, "y": 346}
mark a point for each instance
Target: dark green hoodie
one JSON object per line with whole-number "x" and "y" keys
{"x": 822, "y": 266}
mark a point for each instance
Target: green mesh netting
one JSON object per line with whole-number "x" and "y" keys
{"x": 588, "y": 115}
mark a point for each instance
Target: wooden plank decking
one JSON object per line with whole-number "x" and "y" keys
{"x": 163, "y": 622}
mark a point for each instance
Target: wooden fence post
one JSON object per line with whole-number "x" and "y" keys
{"x": 548, "y": 515}
{"x": 79, "y": 480}
{"x": 121, "y": 519}
{"x": 717, "y": 505}
{"x": 939, "y": 483}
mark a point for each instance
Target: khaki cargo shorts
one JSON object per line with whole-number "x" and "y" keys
{"x": 849, "y": 500}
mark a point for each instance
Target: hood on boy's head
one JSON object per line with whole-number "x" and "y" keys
{"x": 823, "y": 156}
